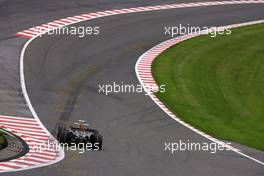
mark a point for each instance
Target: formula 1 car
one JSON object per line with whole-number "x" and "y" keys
{"x": 79, "y": 133}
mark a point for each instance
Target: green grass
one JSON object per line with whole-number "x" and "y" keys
{"x": 2, "y": 141}
{"x": 217, "y": 84}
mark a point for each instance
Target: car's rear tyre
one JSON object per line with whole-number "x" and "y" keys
{"x": 97, "y": 141}
{"x": 67, "y": 137}
{"x": 93, "y": 139}
{"x": 60, "y": 134}
{"x": 100, "y": 141}
{"x": 63, "y": 136}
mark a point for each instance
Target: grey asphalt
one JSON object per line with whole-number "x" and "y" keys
{"x": 17, "y": 15}
{"x": 63, "y": 74}
{"x": 12, "y": 102}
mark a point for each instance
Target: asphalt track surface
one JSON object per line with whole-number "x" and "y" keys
{"x": 63, "y": 74}
{"x": 16, "y": 15}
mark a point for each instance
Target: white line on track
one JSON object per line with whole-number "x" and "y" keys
{"x": 84, "y": 17}
{"x": 150, "y": 55}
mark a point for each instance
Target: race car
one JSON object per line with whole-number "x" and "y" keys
{"x": 79, "y": 133}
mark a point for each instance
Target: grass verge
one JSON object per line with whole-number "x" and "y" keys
{"x": 3, "y": 142}
{"x": 217, "y": 84}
